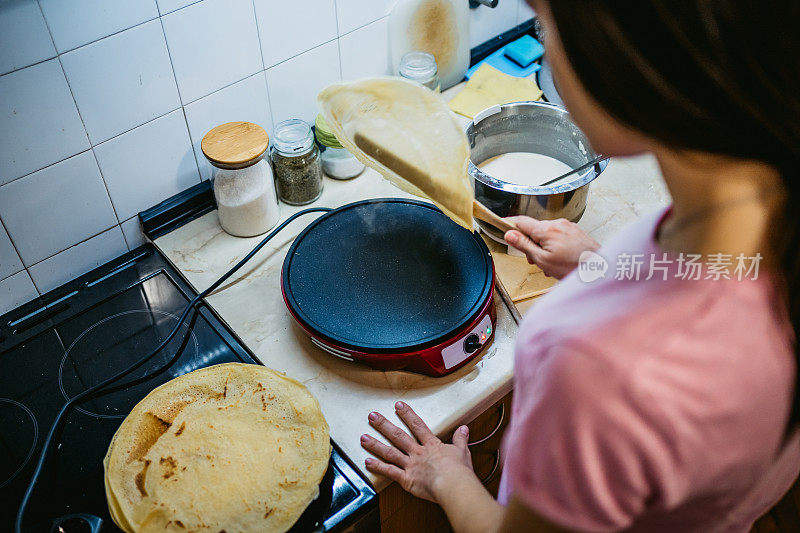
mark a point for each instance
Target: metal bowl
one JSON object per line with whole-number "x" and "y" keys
{"x": 537, "y": 127}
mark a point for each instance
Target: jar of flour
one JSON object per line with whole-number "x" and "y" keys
{"x": 243, "y": 184}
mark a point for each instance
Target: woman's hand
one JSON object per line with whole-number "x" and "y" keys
{"x": 421, "y": 463}
{"x": 552, "y": 245}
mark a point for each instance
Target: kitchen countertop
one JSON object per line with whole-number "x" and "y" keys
{"x": 251, "y": 303}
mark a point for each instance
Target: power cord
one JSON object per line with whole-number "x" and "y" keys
{"x": 97, "y": 390}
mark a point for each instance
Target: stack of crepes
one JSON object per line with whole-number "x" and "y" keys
{"x": 414, "y": 140}
{"x": 232, "y": 447}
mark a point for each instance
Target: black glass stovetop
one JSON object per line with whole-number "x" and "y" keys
{"x": 82, "y": 333}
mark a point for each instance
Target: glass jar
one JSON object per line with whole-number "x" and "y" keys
{"x": 243, "y": 184}
{"x": 337, "y": 161}
{"x": 296, "y": 159}
{"x": 420, "y": 67}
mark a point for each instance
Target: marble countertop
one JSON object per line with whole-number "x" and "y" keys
{"x": 251, "y": 303}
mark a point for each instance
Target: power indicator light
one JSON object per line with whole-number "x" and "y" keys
{"x": 483, "y": 337}
{"x": 488, "y": 330}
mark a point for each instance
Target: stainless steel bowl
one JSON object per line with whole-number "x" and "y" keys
{"x": 537, "y": 127}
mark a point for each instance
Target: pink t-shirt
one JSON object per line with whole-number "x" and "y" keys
{"x": 652, "y": 405}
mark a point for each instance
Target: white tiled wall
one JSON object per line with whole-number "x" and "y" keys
{"x": 103, "y": 106}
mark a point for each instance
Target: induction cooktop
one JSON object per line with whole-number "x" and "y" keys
{"x": 85, "y": 331}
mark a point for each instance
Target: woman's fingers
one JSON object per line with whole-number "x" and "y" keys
{"x": 530, "y": 227}
{"x": 411, "y": 419}
{"x": 387, "y": 453}
{"x": 379, "y": 467}
{"x": 528, "y": 237}
{"x": 523, "y": 243}
{"x": 461, "y": 437}
{"x": 394, "y": 434}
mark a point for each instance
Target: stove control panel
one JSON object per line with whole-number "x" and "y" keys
{"x": 466, "y": 346}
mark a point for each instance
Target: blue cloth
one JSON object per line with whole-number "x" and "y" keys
{"x": 499, "y": 61}
{"x": 524, "y": 50}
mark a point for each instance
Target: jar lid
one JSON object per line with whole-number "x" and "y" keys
{"x": 418, "y": 66}
{"x": 324, "y": 134}
{"x": 293, "y": 137}
{"x": 235, "y": 144}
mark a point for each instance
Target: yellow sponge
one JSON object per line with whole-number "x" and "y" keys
{"x": 488, "y": 86}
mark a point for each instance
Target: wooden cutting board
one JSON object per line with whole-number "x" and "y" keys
{"x": 523, "y": 282}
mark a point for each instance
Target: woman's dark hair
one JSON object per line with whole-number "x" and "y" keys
{"x": 720, "y": 76}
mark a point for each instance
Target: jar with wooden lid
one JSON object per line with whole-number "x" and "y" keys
{"x": 244, "y": 187}
{"x": 296, "y": 159}
{"x": 337, "y": 161}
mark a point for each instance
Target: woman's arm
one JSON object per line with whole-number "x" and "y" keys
{"x": 470, "y": 508}
{"x": 428, "y": 468}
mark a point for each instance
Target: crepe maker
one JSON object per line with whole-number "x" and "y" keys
{"x": 393, "y": 284}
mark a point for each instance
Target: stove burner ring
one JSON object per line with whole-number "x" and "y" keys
{"x": 90, "y": 328}
{"x": 33, "y": 444}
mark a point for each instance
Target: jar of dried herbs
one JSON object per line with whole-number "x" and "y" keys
{"x": 296, "y": 159}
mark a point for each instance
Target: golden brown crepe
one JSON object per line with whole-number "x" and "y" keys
{"x": 232, "y": 447}
{"x": 418, "y": 128}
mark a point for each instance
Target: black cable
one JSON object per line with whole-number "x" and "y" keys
{"x": 97, "y": 390}
{"x": 158, "y": 371}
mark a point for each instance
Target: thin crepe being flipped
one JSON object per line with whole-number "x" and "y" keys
{"x": 417, "y": 127}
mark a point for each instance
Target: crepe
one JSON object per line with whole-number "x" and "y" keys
{"x": 232, "y": 447}
{"x": 420, "y": 146}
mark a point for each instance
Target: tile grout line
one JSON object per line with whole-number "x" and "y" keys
{"x": 91, "y": 147}
{"x": 110, "y": 228}
{"x": 338, "y": 37}
{"x": 103, "y": 37}
{"x": 171, "y": 64}
{"x": 269, "y": 104}
{"x": 263, "y": 72}
{"x": 215, "y": 91}
{"x": 282, "y": 61}
{"x": 258, "y": 34}
{"x": 124, "y": 238}
{"x": 14, "y": 246}
{"x": 31, "y": 65}
{"x": 15, "y": 273}
{"x": 182, "y": 108}
{"x": 363, "y": 25}
{"x": 82, "y": 241}
{"x": 336, "y": 14}
{"x": 176, "y": 10}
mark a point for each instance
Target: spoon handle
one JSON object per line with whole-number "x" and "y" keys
{"x": 481, "y": 212}
{"x": 593, "y": 162}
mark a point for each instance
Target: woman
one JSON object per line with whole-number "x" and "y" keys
{"x": 653, "y": 402}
